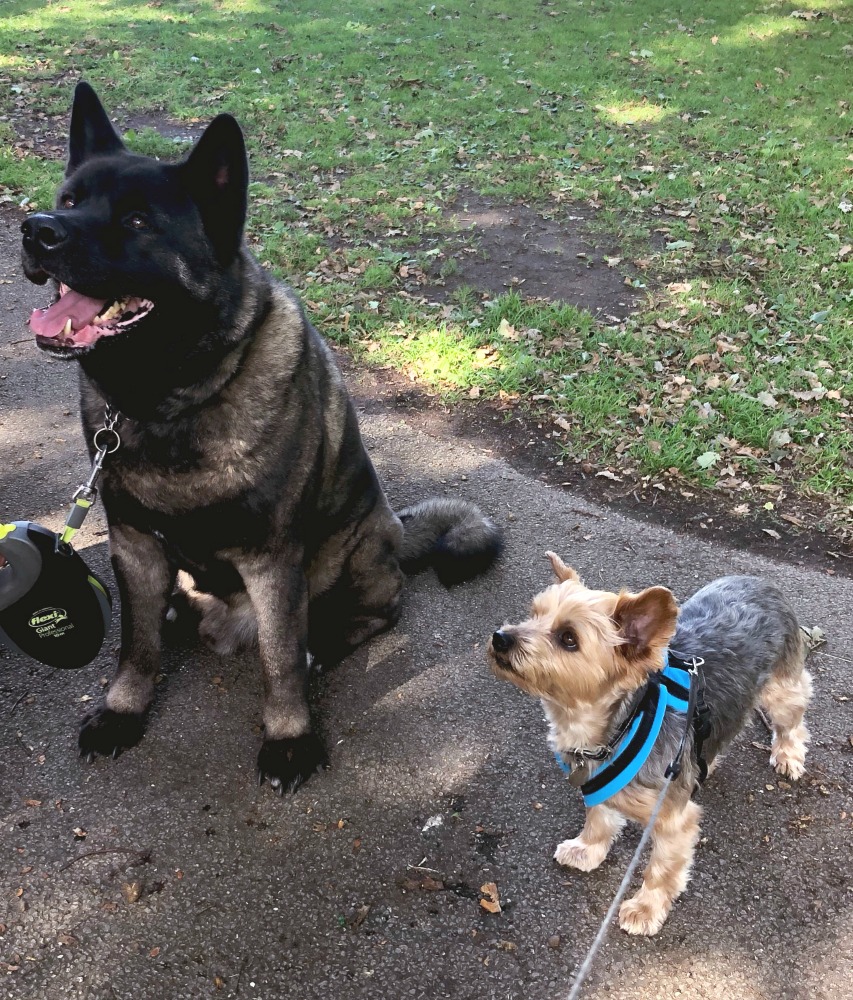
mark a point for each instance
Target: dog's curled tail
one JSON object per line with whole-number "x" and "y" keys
{"x": 453, "y": 536}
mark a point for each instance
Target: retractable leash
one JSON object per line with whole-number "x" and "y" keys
{"x": 672, "y": 772}
{"x": 52, "y": 606}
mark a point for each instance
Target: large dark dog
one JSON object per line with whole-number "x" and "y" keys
{"x": 241, "y": 461}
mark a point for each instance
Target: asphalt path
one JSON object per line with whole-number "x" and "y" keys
{"x": 168, "y": 874}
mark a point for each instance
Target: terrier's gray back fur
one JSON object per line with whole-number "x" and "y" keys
{"x": 744, "y": 628}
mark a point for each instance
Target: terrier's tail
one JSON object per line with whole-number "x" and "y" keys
{"x": 453, "y": 536}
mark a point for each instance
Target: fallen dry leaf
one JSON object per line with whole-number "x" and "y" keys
{"x": 360, "y": 915}
{"x": 507, "y": 330}
{"x": 491, "y": 901}
{"x": 132, "y": 891}
{"x": 426, "y": 883}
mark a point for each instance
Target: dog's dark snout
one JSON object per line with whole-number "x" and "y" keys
{"x": 43, "y": 231}
{"x": 502, "y": 641}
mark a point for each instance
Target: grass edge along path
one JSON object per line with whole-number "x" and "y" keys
{"x": 716, "y": 145}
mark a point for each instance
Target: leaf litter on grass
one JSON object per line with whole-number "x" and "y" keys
{"x": 708, "y": 147}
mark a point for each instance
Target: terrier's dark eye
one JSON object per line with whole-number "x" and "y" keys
{"x": 568, "y": 639}
{"x": 67, "y": 201}
{"x": 137, "y": 221}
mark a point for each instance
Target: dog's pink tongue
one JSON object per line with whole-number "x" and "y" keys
{"x": 80, "y": 309}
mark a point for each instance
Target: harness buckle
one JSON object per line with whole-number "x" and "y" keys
{"x": 689, "y": 663}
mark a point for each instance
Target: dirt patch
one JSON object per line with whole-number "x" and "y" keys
{"x": 495, "y": 247}
{"x": 168, "y": 128}
{"x": 684, "y": 508}
{"x": 41, "y": 135}
{"x": 47, "y": 135}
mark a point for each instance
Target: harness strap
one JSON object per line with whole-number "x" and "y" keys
{"x": 633, "y": 751}
{"x": 701, "y": 732}
{"x": 700, "y": 713}
{"x": 676, "y": 687}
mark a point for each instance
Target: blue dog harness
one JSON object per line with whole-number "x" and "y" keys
{"x": 675, "y": 688}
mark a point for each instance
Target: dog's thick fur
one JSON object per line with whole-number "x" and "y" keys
{"x": 585, "y": 652}
{"x": 241, "y": 461}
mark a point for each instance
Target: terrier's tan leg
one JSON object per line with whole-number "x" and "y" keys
{"x": 786, "y": 699}
{"x": 673, "y": 841}
{"x": 590, "y": 847}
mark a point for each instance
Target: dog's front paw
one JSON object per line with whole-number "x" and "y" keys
{"x": 576, "y": 854}
{"x": 107, "y": 732}
{"x": 645, "y": 913}
{"x": 789, "y": 759}
{"x": 289, "y": 763}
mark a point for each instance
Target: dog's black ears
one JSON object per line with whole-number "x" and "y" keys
{"x": 646, "y": 623}
{"x": 216, "y": 174}
{"x": 91, "y": 132}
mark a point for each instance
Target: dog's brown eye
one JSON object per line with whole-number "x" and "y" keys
{"x": 137, "y": 221}
{"x": 568, "y": 639}
{"x": 67, "y": 201}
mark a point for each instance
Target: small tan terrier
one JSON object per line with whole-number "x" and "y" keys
{"x": 614, "y": 672}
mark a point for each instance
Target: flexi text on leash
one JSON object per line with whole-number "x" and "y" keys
{"x": 52, "y": 606}
{"x": 672, "y": 772}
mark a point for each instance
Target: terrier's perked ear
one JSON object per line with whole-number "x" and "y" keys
{"x": 561, "y": 570}
{"x": 646, "y": 622}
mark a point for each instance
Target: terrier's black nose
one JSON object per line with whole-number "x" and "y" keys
{"x": 43, "y": 231}
{"x": 502, "y": 641}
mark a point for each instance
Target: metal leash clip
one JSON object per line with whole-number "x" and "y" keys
{"x": 87, "y": 494}
{"x": 689, "y": 663}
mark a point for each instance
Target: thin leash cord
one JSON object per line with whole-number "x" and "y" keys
{"x": 672, "y": 772}
{"x": 595, "y": 947}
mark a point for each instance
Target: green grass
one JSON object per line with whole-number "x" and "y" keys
{"x": 714, "y": 140}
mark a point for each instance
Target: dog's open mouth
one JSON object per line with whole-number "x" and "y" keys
{"x": 78, "y": 321}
